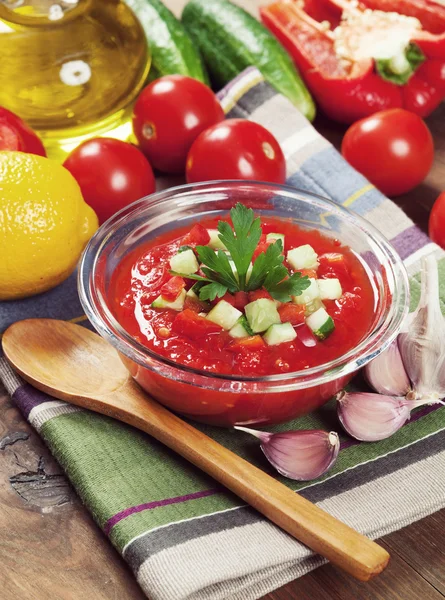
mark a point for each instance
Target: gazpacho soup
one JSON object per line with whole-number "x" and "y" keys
{"x": 244, "y": 296}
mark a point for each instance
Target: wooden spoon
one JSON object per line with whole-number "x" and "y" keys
{"x": 72, "y": 363}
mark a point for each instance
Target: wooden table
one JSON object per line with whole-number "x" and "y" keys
{"x": 50, "y": 548}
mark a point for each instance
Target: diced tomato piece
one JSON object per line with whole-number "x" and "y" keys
{"x": 251, "y": 344}
{"x": 292, "y": 313}
{"x": 262, "y": 247}
{"x": 171, "y": 290}
{"x": 195, "y": 305}
{"x": 193, "y": 326}
{"x": 311, "y": 273}
{"x": 197, "y": 236}
{"x": 257, "y": 294}
{"x": 335, "y": 265}
{"x": 230, "y": 298}
{"x": 241, "y": 299}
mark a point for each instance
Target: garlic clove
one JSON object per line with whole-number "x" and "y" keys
{"x": 300, "y": 455}
{"x": 386, "y": 373}
{"x": 422, "y": 344}
{"x": 372, "y": 417}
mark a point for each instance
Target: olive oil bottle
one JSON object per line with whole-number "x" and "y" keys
{"x": 71, "y": 68}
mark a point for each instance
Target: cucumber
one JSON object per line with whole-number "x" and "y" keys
{"x": 215, "y": 243}
{"x": 241, "y": 328}
{"x": 313, "y": 305}
{"x": 279, "y": 334}
{"x": 172, "y": 50}
{"x": 303, "y": 257}
{"x": 320, "y": 323}
{"x": 309, "y": 294}
{"x": 224, "y": 314}
{"x": 330, "y": 289}
{"x": 184, "y": 262}
{"x": 177, "y": 304}
{"x": 230, "y": 39}
{"x": 273, "y": 237}
{"x": 261, "y": 314}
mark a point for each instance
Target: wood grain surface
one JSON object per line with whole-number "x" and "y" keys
{"x": 50, "y": 548}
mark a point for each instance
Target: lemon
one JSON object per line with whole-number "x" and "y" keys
{"x": 44, "y": 224}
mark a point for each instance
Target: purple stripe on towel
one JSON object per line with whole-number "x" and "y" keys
{"x": 157, "y": 504}
{"x": 227, "y": 88}
{"x": 27, "y": 397}
{"x": 409, "y": 241}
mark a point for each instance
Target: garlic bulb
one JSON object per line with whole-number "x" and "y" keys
{"x": 301, "y": 455}
{"x": 422, "y": 344}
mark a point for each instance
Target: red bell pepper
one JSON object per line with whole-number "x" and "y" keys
{"x": 347, "y": 90}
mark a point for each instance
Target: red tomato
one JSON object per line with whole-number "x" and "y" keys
{"x": 292, "y": 313}
{"x": 437, "y": 221}
{"x": 171, "y": 290}
{"x": 197, "y": 236}
{"x": 236, "y": 149}
{"x": 392, "y": 148}
{"x": 169, "y": 115}
{"x": 251, "y": 343}
{"x": 241, "y": 299}
{"x": 111, "y": 174}
{"x": 193, "y": 326}
{"x": 16, "y": 135}
{"x": 257, "y": 294}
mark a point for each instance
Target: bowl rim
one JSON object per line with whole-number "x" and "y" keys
{"x": 107, "y": 325}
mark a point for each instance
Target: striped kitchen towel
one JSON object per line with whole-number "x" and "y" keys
{"x": 183, "y": 535}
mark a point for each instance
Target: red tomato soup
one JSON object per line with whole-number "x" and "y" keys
{"x": 186, "y": 336}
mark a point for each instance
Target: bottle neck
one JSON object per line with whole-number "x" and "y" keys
{"x": 34, "y": 13}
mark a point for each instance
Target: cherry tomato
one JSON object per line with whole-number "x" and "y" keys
{"x": 393, "y": 149}
{"x": 437, "y": 221}
{"x": 169, "y": 115}
{"x": 16, "y": 135}
{"x": 111, "y": 174}
{"x": 236, "y": 149}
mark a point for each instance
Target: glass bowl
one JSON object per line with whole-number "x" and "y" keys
{"x": 222, "y": 399}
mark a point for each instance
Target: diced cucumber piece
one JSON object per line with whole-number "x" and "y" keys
{"x": 177, "y": 304}
{"x": 241, "y": 328}
{"x": 330, "y": 289}
{"x": 224, "y": 314}
{"x": 235, "y": 272}
{"x": 303, "y": 257}
{"x": 279, "y": 334}
{"x": 309, "y": 294}
{"x": 261, "y": 314}
{"x": 215, "y": 243}
{"x": 273, "y": 237}
{"x": 312, "y": 306}
{"x": 184, "y": 262}
{"x": 320, "y": 323}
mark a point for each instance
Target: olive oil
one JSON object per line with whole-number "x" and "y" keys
{"x": 71, "y": 68}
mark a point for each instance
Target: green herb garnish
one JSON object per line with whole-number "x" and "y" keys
{"x": 241, "y": 242}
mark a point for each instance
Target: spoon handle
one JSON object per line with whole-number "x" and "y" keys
{"x": 323, "y": 533}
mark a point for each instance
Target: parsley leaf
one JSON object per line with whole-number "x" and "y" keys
{"x": 264, "y": 263}
{"x": 242, "y": 240}
{"x": 211, "y": 291}
{"x": 268, "y": 270}
{"x": 293, "y": 286}
{"x": 217, "y": 267}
